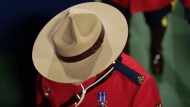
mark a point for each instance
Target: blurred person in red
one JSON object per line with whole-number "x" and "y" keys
{"x": 155, "y": 13}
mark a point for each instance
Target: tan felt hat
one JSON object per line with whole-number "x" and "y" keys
{"x": 80, "y": 42}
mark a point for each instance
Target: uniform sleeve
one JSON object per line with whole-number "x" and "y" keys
{"x": 39, "y": 94}
{"x": 147, "y": 95}
{"x": 186, "y": 3}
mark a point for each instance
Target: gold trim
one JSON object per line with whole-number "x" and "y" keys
{"x": 164, "y": 21}
{"x": 46, "y": 94}
{"x": 141, "y": 79}
{"x": 75, "y": 103}
{"x": 173, "y": 3}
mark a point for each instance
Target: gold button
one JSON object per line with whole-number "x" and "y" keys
{"x": 46, "y": 94}
{"x": 141, "y": 79}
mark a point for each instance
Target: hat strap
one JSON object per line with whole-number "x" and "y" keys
{"x": 101, "y": 79}
{"x": 86, "y": 53}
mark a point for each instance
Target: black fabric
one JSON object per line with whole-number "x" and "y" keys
{"x": 154, "y": 18}
{"x": 187, "y": 14}
{"x": 45, "y": 103}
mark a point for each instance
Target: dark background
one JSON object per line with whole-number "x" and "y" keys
{"x": 20, "y": 23}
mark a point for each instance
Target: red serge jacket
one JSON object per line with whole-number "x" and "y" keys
{"x": 142, "y": 5}
{"x": 186, "y": 3}
{"x": 134, "y": 89}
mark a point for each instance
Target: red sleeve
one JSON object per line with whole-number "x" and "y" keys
{"x": 147, "y": 95}
{"x": 39, "y": 93}
{"x": 186, "y": 3}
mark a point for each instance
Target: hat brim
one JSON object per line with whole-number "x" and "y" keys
{"x": 116, "y": 33}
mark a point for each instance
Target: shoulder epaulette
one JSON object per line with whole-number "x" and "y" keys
{"x": 129, "y": 73}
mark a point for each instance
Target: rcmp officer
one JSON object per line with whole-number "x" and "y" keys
{"x": 78, "y": 55}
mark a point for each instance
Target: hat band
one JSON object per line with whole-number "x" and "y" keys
{"x": 86, "y": 53}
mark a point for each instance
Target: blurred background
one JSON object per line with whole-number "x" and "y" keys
{"x": 22, "y": 20}
{"x": 173, "y": 83}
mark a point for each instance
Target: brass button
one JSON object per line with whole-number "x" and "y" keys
{"x": 46, "y": 94}
{"x": 141, "y": 79}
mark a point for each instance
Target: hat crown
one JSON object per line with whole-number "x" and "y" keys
{"x": 77, "y": 32}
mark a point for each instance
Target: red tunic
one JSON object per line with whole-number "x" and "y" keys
{"x": 120, "y": 90}
{"x": 142, "y": 5}
{"x": 186, "y": 3}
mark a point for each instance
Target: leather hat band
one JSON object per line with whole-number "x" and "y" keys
{"x": 86, "y": 53}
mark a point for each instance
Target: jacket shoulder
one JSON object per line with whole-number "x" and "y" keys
{"x": 137, "y": 75}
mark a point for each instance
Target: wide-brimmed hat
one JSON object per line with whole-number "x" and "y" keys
{"x": 80, "y": 42}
